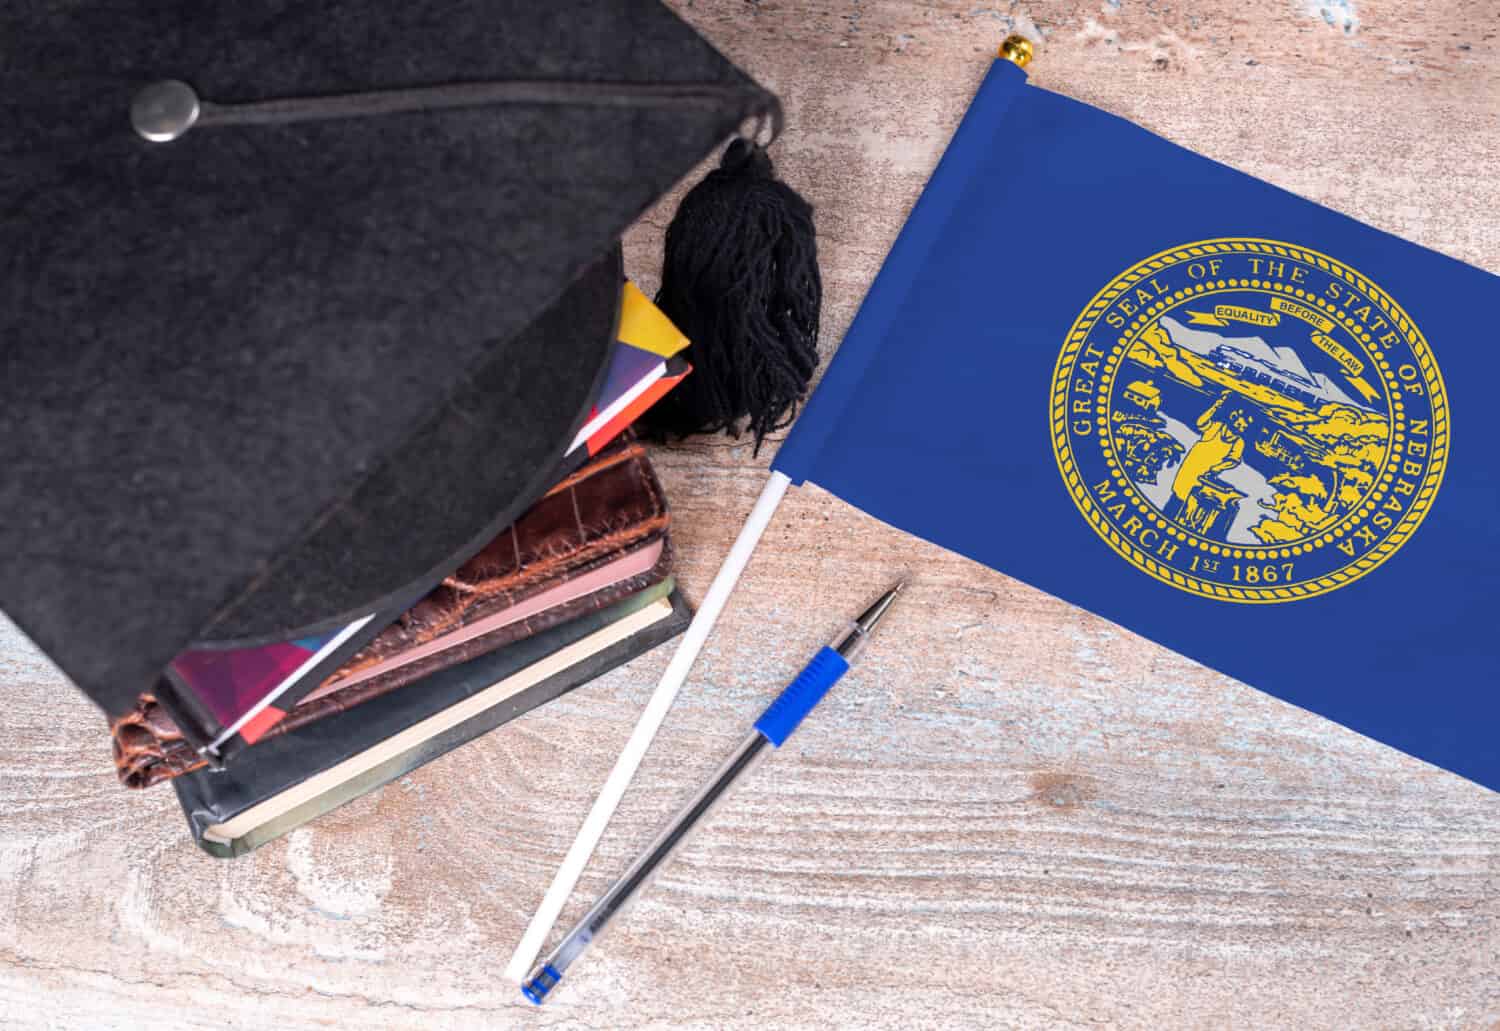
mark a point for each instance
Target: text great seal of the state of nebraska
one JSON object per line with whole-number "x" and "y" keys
{"x": 1249, "y": 420}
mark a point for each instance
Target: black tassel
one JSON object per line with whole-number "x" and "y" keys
{"x": 740, "y": 279}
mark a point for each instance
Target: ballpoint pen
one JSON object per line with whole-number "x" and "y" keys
{"x": 773, "y": 728}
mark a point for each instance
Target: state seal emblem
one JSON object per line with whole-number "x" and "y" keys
{"x": 1249, "y": 420}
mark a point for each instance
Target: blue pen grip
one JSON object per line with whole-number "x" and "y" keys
{"x": 801, "y": 695}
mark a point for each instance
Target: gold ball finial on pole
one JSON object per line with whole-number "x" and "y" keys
{"x": 1017, "y": 49}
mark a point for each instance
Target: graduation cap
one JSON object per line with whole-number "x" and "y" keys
{"x": 301, "y": 303}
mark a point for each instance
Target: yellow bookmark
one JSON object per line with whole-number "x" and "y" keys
{"x": 643, "y": 325}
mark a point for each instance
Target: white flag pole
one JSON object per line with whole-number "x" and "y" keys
{"x": 645, "y": 729}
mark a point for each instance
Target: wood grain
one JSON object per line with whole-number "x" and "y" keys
{"x": 1012, "y": 815}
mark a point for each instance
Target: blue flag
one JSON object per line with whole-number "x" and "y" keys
{"x": 1230, "y": 420}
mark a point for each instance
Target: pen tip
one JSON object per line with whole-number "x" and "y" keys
{"x": 873, "y": 614}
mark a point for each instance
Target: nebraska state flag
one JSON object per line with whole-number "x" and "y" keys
{"x": 1228, "y": 419}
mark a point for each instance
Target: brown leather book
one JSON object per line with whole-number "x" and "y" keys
{"x": 596, "y": 538}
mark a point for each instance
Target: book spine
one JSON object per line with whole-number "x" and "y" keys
{"x": 197, "y": 724}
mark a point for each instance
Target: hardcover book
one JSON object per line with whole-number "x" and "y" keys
{"x": 294, "y": 777}
{"x": 598, "y": 537}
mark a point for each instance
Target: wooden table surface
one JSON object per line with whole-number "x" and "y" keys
{"x": 1012, "y": 814}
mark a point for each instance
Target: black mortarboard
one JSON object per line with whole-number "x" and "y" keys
{"x": 332, "y": 329}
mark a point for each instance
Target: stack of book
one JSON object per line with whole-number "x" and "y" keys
{"x": 258, "y": 740}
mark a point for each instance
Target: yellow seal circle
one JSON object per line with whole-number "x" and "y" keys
{"x": 1249, "y": 420}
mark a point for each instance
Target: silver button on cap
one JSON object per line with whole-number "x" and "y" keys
{"x": 163, "y": 111}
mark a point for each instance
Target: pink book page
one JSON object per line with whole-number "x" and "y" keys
{"x": 633, "y": 564}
